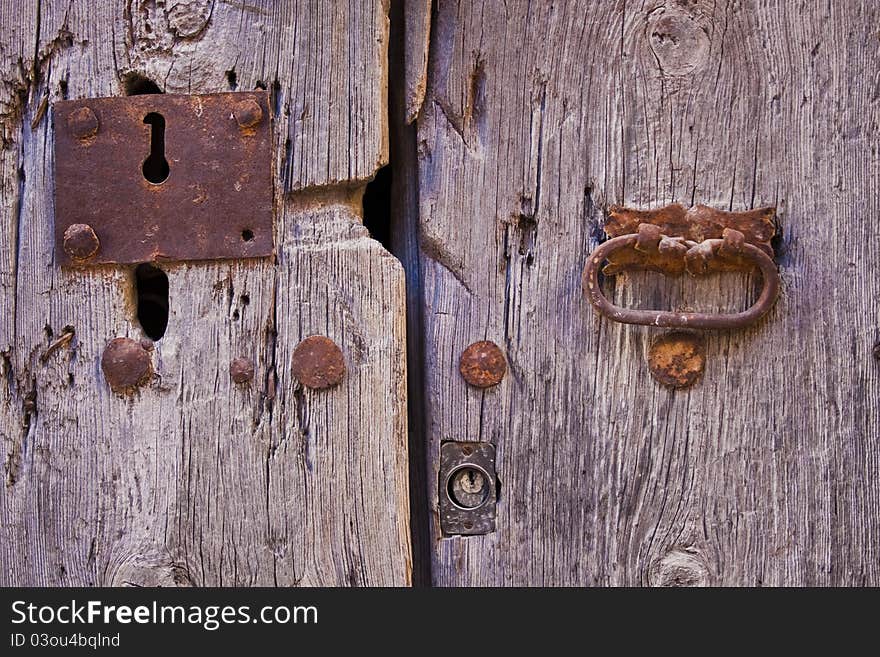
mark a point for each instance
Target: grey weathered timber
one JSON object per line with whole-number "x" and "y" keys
{"x": 194, "y": 479}
{"x": 537, "y": 116}
{"x": 413, "y": 37}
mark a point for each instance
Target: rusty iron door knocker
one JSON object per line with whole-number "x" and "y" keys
{"x": 732, "y": 249}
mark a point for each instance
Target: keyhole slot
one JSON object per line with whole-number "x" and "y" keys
{"x": 151, "y": 286}
{"x": 156, "y": 167}
{"x": 468, "y": 487}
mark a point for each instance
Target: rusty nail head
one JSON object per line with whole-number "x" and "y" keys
{"x": 126, "y": 364}
{"x": 482, "y": 364}
{"x": 677, "y": 359}
{"x": 83, "y": 123}
{"x": 248, "y": 113}
{"x": 80, "y": 242}
{"x": 241, "y": 370}
{"x": 318, "y": 363}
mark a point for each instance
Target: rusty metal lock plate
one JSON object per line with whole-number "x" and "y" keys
{"x": 163, "y": 177}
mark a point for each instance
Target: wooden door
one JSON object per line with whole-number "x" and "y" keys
{"x": 514, "y": 126}
{"x": 195, "y": 479}
{"x": 532, "y": 119}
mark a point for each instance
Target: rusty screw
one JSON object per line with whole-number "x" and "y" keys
{"x": 482, "y": 364}
{"x": 126, "y": 364}
{"x": 248, "y": 113}
{"x": 241, "y": 370}
{"x": 82, "y": 123}
{"x": 80, "y": 242}
{"x": 318, "y": 363}
{"x": 677, "y": 359}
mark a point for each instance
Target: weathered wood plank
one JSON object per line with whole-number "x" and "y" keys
{"x": 16, "y": 53}
{"x": 197, "y": 480}
{"x": 338, "y": 462}
{"x": 414, "y": 36}
{"x": 765, "y": 472}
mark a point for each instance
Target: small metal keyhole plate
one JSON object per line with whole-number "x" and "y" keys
{"x": 468, "y": 488}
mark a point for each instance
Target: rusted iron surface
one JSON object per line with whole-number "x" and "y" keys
{"x": 82, "y": 123}
{"x": 216, "y": 201}
{"x": 697, "y": 259}
{"x": 677, "y": 359}
{"x": 126, "y": 364}
{"x": 241, "y": 370}
{"x": 696, "y": 224}
{"x": 482, "y": 364}
{"x": 468, "y": 488}
{"x": 80, "y": 242}
{"x": 318, "y": 363}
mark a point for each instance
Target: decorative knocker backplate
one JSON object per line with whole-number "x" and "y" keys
{"x": 663, "y": 241}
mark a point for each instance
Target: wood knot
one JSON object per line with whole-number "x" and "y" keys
{"x": 152, "y": 569}
{"x": 679, "y": 43}
{"x": 680, "y": 567}
{"x": 187, "y": 19}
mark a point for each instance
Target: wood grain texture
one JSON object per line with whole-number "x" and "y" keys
{"x": 540, "y": 115}
{"x": 195, "y": 480}
{"x": 415, "y": 36}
